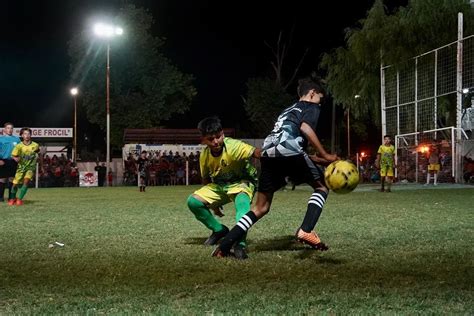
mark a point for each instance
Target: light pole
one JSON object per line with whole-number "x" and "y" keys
{"x": 349, "y": 128}
{"x": 107, "y": 31}
{"x": 74, "y": 92}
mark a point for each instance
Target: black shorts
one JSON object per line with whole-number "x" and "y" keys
{"x": 8, "y": 169}
{"x": 299, "y": 169}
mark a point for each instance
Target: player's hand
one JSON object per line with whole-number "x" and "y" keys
{"x": 2, "y": 162}
{"x": 16, "y": 159}
{"x": 217, "y": 211}
{"x": 319, "y": 160}
{"x": 330, "y": 157}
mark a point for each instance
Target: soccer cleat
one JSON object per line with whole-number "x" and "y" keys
{"x": 217, "y": 252}
{"x": 11, "y": 201}
{"x": 240, "y": 252}
{"x": 216, "y": 236}
{"x": 19, "y": 202}
{"x": 311, "y": 239}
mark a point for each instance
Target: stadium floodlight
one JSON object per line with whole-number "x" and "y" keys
{"x": 107, "y": 31}
{"x": 74, "y": 91}
{"x": 465, "y": 90}
{"x": 356, "y": 96}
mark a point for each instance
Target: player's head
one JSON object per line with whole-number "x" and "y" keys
{"x": 25, "y": 133}
{"x": 387, "y": 140}
{"x": 143, "y": 153}
{"x": 212, "y": 134}
{"x": 8, "y": 129}
{"x": 310, "y": 90}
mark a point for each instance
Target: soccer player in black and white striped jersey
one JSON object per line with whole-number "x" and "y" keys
{"x": 284, "y": 155}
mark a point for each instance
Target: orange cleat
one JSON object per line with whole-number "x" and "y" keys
{"x": 311, "y": 239}
{"x": 11, "y": 201}
{"x": 19, "y": 202}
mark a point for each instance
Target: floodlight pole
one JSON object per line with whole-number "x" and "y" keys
{"x": 108, "y": 112}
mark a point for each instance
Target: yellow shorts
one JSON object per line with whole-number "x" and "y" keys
{"x": 21, "y": 175}
{"x": 434, "y": 167}
{"x": 386, "y": 171}
{"x": 217, "y": 195}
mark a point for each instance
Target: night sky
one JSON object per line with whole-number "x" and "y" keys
{"x": 220, "y": 42}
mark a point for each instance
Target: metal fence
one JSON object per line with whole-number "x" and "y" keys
{"x": 422, "y": 104}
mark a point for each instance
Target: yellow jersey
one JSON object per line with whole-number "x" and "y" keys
{"x": 231, "y": 166}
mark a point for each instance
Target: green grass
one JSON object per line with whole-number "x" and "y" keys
{"x": 407, "y": 252}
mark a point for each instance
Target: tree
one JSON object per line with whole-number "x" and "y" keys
{"x": 389, "y": 38}
{"x": 267, "y": 96}
{"x": 146, "y": 88}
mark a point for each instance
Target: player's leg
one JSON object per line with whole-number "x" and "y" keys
{"x": 428, "y": 176}
{"x": 241, "y": 194}
{"x": 312, "y": 174}
{"x": 16, "y": 181}
{"x": 3, "y": 184}
{"x": 383, "y": 173}
{"x": 271, "y": 179}
{"x": 389, "y": 178}
{"x": 200, "y": 202}
{"x": 24, "y": 187}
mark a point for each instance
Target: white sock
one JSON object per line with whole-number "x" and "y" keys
{"x": 435, "y": 178}
{"x": 428, "y": 178}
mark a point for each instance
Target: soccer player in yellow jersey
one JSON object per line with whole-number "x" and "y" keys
{"x": 26, "y": 154}
{"x": 228, "y": 176}
{"x": 386, "y": 162}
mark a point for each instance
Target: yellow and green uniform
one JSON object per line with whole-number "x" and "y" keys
{"x": 28, "y": 155}
{"x": 232, "y": 178}
{"x": 230, "y": 173}
{"x": 386, "y": 160}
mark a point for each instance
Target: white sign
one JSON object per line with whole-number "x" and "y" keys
{"x": 45, "y": 132}
{"x": 88, "y": 179}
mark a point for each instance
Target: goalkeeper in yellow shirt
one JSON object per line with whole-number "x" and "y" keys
{"x": 25, "y": 154}
{"x": 228, "y": 176}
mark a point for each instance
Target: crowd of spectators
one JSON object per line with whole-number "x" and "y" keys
{"x": 164, "y": 168}
{"x": 57, "y": 172}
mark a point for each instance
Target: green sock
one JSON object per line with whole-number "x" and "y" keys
{"x": 242, "y": 207}
{"x": 203, "y": 214}
{"x": 23, "y": 190}
{"x": 13, "y": 192}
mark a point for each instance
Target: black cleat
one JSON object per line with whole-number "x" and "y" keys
{"x": 216, "y": 236}
{"x": 217, "y": 252}
{"x": 240, "y": 252}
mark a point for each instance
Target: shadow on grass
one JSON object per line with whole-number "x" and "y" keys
{"x": 288, "y": 243}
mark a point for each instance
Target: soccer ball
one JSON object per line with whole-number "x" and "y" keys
{"x": 341, "y": 176}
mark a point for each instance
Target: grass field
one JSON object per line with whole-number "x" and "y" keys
{"x": 407, "y": 252}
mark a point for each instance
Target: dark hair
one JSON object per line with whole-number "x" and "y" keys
{"x": 387, "y": 136}
{"x": 210, "y": 126}
{"x": 7, "y": 123}
{"x": 25, "y": 129}
{"x": 305, "y": 85}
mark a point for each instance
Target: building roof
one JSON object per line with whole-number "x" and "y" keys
{"x": 166, "y": 135}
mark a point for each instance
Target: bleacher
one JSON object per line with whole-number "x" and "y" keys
{"x": 166, "y": 135}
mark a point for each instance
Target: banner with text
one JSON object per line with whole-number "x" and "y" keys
{"x": 45, "y": 132}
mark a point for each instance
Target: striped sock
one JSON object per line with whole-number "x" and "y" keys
{"x": 238, "y": 231}
{"x": 315, "y": 207}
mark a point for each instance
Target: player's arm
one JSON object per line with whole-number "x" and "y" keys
{"x": 257, "y": 153}
{"x": 320, "y": 160}
{"x": 16, "y": 153}
{"x": 314, "y": 141}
